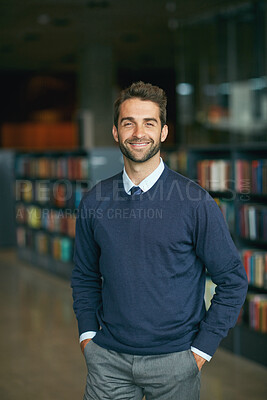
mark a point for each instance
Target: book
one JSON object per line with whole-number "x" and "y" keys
{"x": 252, "y": 220}
{"x": 257, "y": 312}
{"x": 214, "y": 175}
{"x": 44, "y": 167}
{"x": 251, "y": 176}
{"x": 255, "y": 264}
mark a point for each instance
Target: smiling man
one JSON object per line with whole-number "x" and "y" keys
{"x": 141, "y": 131}
{"x": 138, "y": 283}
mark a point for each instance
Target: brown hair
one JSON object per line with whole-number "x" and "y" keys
{"x": 143, "y": 91}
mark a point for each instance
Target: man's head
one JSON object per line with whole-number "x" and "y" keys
{"x": 142, "y": 91}
{"x": 139, "y": 122}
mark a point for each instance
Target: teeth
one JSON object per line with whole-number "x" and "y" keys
{"x": 139, "y": 144}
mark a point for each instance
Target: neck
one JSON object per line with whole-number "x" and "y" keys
{"x": 139, "y": 171}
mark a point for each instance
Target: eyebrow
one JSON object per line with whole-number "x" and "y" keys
{"x": 144, "y": 119}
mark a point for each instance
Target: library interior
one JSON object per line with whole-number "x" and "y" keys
{"x": 62, "y": 65}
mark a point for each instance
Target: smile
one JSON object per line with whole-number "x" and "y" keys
{"x": 139, "y": 144}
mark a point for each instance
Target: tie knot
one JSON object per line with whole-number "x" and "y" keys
{"x": 136, "y": 190}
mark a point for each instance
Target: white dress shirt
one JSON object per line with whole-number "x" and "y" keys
{"x": 145, "y": 185}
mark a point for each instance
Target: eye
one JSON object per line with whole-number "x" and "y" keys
{"x": 150, "y": 124}
{"x": 127, "y": 124}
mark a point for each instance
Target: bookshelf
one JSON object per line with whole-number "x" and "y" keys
{"x": 48, "y": 190}
{"x": 236, "y": 177}
{"x": 7, "y": 199}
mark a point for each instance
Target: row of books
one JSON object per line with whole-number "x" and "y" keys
{"x": 56, "y": 221}
{"x": 251, "y": 176}
{"x": 214, "y": 175}
{"x": 58, "y": 194}
{"x": 255, "y": 263}
{"x": 69, "y": 167}
{"x": 58, "y": 248}
{"x": 257, "y": 311}
{"x": 252, "y": 222}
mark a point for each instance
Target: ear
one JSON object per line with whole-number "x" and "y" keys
{"x": 115, "y": 133}
{"x": 164, "y": 133}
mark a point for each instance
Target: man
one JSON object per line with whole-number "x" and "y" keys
{"x": 144, "y": 239}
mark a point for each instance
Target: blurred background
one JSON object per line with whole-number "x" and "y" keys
{"x": 62, "y": 65}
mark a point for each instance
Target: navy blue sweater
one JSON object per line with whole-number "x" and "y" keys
{"x": 140, "y": 261}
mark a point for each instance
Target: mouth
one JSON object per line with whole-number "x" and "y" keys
{"x": 139, "y": 144}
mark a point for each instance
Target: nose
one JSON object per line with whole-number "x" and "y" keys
{"x": 138, "y": 131}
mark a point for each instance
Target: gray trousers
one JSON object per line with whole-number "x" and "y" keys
{"x": 118, "y": 376}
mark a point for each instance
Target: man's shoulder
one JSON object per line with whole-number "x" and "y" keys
{"x": 102, "y": 189}
{"x": 185, "y": 184}
{"x": 180, "y": 188}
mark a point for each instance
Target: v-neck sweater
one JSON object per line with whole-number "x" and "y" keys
{"x": 140, "y": 267}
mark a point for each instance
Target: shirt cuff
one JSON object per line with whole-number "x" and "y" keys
{"x": 200, "y": 353}
{"x": 87, "y": 335}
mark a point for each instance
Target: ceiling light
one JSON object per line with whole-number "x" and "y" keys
{"x": 43, "y": 19}
{"x": 184, "y": 89}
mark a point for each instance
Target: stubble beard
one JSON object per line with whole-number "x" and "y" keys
{"x": 154, "y": 149}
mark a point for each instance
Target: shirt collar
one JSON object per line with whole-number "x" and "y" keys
{"x": 146, "y": 183}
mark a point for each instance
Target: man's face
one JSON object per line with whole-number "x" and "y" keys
{"x": 139, "y": 132}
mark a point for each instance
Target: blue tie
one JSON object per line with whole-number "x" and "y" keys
{"x": 136, "y": 190}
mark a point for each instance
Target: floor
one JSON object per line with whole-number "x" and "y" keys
{"x": 40, "y": 356}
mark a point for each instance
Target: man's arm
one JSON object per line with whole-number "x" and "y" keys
{"x": 85, "y": 338}
{"x": 86, "y": 279}
{"x": 214, "y": 246}
{"x": 199, "y": 360}
{"x": 200, "y": 357}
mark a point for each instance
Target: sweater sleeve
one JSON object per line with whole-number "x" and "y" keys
{"x": 214, "y": 246}
{"x": 86, "y": 280}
